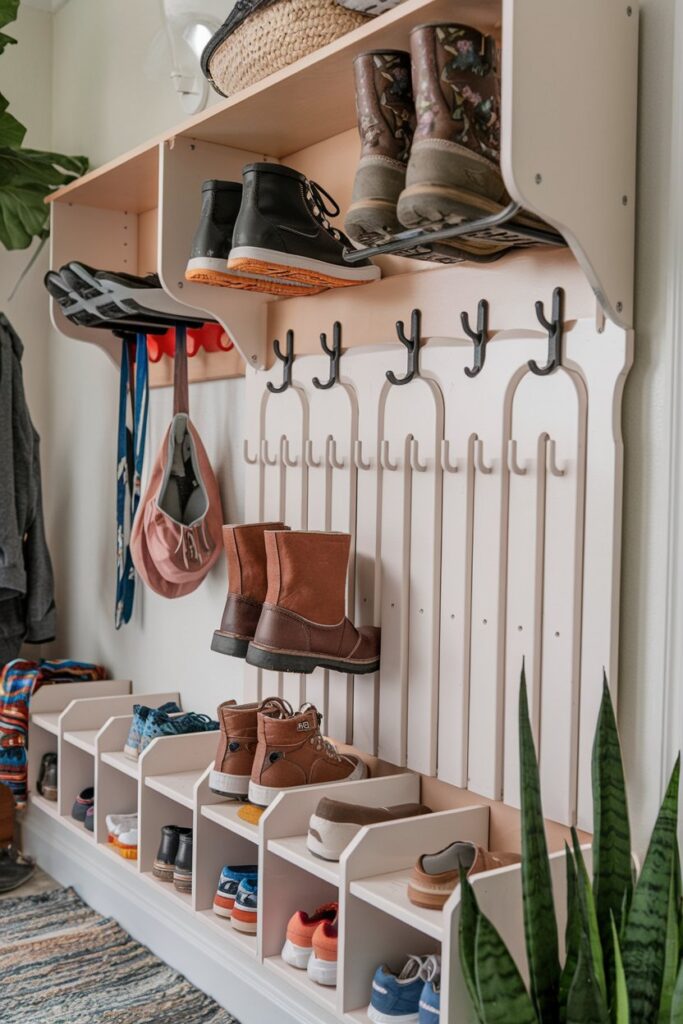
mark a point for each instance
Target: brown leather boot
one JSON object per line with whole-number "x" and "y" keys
{"x": 303, "y": 625}
{"x": 292, "y": 752}
{"x": 237, "y": 744}
{"x": 247, "y": 585}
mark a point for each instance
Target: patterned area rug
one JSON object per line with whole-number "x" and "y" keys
{"x": 88, "y": 970}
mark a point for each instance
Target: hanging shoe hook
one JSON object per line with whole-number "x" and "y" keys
{"x": 308, "y": 456}
{"x": 288, "y": 360}
{"x": 358, "y": 456}
{"x": 553, "y": 467}
{"x": 513, "y": 465}
{"x": 384, "y": 460}
{"x": 412, "y": 345}
{"x": 415, "y": 464}
{"x": 555, "y": 331}
{"x": 265, "y": 456}
{"x": 250, "y": 459}
{"x": 331, "y": 454}
{"x": 480, "y": 337}
{"x": 446, "y": 464}
{"x": 482, "y": 467}
{"x": 335, "y": 357}
{"x": 285, "y": 457}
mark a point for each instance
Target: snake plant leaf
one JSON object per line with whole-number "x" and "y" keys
{"x": 540, "y": 922}
{"x": 612, "y": 865}
{"x": 621, "y": 1013}
{"x": 672, "y": 956}
{"x": 572, "y": 935}
{"x": 469, "y": 916}
{"x": 502, "y": 995}
{"x": 677, "y": 1002}
{"x": 590, "y": 932}
{"x": 644, "y": 941}
{"x": 585, "y": 1004}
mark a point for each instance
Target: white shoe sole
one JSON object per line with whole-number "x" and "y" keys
{"x": 263, "y": 796}
{"x": 334, "y": 837}
{"x": 296, "y": 956}
{"x": 323, "y": 972}
{"x": 222, "y": 911}
{"x": 228, "y": 785}
{"x": 248, "y": 927}
{"x": 390, "y": 1018}
{"x": 273, "y": 257}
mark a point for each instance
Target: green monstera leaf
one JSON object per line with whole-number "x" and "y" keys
{"x": 27, "y": 176}
{"x": 645, "y": 933}
{"x": 540, "y": 923}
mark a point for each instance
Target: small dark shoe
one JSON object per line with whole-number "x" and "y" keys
{"x": 90, "y": 819}
{"x": 182, "y": 870}
{"x": 83, "y": 801}
{"x": 15, "y": 869}
{"x": 47, "y": 777}
{"x": 168, "y": 851}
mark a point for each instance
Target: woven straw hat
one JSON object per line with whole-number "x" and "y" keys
{"x": 263, "y": 36}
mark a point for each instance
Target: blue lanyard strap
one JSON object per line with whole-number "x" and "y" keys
{"x": 132, "y": 432}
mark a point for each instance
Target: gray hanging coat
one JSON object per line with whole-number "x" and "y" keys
{"x": 27, "y": 608}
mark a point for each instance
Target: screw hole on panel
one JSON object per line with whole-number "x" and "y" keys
{"x": 520, "y": 628}
{"x": 624, "y": 200}
{"x": 485, "y": 622}
{"x": 180, "y": 284}
{"x": 629, "y": 12}
{"x": 365, "y": 600}
{"x": 539, "y": 179}
{"x": 253, "y": 359}
{"x": 422, "y": 611}
{"x": 620, "y": 306}
{"x": 192, "y": 147}
{"x": 452, "y": 616}
{"x": 557, "y": 635}
{"x": 393, "y": 605}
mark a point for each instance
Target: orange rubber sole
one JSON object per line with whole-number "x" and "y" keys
{"x": 312, "y": 278}
{"x": 127, "y": 852}
{"x": 227, "y": 280}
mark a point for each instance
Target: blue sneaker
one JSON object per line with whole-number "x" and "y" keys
{"x": 229, "y": 883}
{"x": 159, "y": 723}
{"x": 140, "y": 713}
{"x": 245, "y": 910}
{"x": 430, "y": 999}
{"x": 396, "y": 997}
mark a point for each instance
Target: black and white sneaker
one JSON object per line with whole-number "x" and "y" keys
{"x": 283, "y": 231}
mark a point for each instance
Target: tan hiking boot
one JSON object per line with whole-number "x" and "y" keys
{"x": 436, "y": 875}
{"x": 292, "y": 752}
{"x": 247, "y": 585}
{"x": 237, "y": 744}
{"x": 303, "y": 625}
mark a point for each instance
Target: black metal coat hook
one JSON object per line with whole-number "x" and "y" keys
{"x": 555, "y": 334}
{"x": 480, "y": 337}
{"x": 288, "y": 360}
{"x": 412, "y": 344}
{"x": 335, "y": 356}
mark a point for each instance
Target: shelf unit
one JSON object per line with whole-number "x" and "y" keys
{"x": 558, "y": 160}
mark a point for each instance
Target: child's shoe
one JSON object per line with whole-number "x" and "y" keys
{"x": 396, "y": 997}
{"x": 228, "y": 884}
{"x": 159, "y": 723}
{"x": 245, "y": 909}
{"x": 322, "y": 966}
{"x": 140, "y": 713}
{"x": 301, "y": 928}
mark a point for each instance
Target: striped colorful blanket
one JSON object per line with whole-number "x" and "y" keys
{"x": 19, "y": 680}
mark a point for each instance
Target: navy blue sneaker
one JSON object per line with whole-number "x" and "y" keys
{"x": 140, "y": 713}
{"x": 430, "y": 999}
{"x": 396, "y": 997}
{"x": 159, "y": 723}
{"x": 229, "y": 883}
{"x": 245, "y": 910}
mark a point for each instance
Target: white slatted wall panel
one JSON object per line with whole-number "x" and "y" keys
{"x": 492, "y": 506}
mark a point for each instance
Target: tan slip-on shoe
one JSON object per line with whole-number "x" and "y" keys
{"x": 335, "y": 823}
{"x": 436, "y": 875}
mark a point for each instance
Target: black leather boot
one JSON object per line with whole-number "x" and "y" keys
{"x": 47, "y": 777}
{"x": 212, "y": 244}
{"x": 283, "y": 231}
{"x": 182, "y": 871}
{"x": 164, "y": 863}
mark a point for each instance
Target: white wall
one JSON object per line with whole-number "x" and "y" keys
{"x": 102, "y": 105}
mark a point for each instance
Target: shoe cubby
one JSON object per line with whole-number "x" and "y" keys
{"x": 46, "y": 709}
{"x": 221, "y": 838}
{"x": 170, "y": 769}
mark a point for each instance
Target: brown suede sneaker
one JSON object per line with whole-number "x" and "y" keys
{"x": 292, "y": 752}
{"x": 237, "y": 744}
{"x": 303, "y": 624}
{"x": 436, "y": 875}
{"x": 247, "y": 585}
{"x": 335, "y": 823}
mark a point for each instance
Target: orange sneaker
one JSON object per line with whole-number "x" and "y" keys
{"x": 298, "y": 947}
{"x": 322, "y": 965}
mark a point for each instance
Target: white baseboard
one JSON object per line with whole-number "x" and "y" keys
{"x": 236, "y": 981}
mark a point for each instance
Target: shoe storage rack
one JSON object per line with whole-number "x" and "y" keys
{"x": 169, "y": 784}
